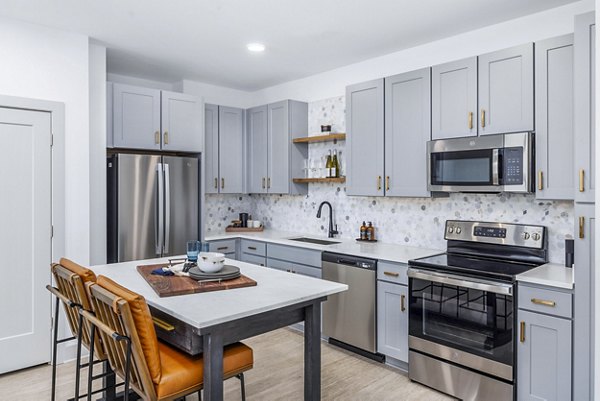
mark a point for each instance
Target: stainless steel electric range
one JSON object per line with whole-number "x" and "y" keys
{"x": 462, "y": 308}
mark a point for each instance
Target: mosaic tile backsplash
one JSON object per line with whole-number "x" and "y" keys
{"x": 407, "y": 221}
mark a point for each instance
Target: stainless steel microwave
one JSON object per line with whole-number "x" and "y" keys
{"x": 491, "y": 163}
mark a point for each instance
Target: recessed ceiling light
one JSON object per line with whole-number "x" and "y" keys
{"x": 256, "y": 47}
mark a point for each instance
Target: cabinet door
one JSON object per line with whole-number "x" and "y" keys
{"x": 109, "y": 115}
{"x": 543, "y": 357}
{"x": 365, "y": 126}
{"x": 407, "y": 130}
{"x": 392, "y": 320}
{"x": 454, "y": 99}
{"x": 231, "y": 150}
{"x": 554, "y": 141}
{"x": 506, "y": 90}
{"x": 136, "y": 117}
{"x": 278, "y": 179}
{"x": 211, "y": 148}
{"x": 584, "y": 270}
{"x": 182, "y": 122}
{"x": 257, "y": 149}
{"x": 585, "y": 106}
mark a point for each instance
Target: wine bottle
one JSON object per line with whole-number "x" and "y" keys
{"x": 335, "y": 169}
{"x": 329, "y": 166}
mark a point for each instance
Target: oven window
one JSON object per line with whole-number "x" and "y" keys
{"x": 470, "y": 320}
{"x": 472, "y": 167}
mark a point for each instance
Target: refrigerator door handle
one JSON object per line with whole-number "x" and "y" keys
{"x": 167, "y": 208}
{"x": 159, "y": 234}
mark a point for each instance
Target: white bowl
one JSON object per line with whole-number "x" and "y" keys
{"x": 210, "y": 262}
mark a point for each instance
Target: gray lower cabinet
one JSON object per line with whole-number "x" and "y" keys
{"x": 226, "y": 246}
{"x": 543, "y": 357}
{"x": 365, "y": 138}
{"x": 454, "y": 99}
{"x": 211, "y": 146}
{"x": 294, "y": 267}
{"x": 392, "y": 320}
{"x": 554, "y": 140}
{"x": 584, "y": 271}
{"x": 182, "y": 122}
{"x": 505, "y": 90}
{"x": 407, "y": 130}
{"x": 585, "y": 106}
{"x": 254, "y": 259}
{"x": 136, "y": 117}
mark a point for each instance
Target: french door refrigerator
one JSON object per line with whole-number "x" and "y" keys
{"x": 153, "y": 205}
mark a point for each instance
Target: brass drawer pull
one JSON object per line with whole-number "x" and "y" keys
{"x": 162, "y": 324}
{"x": 581, "y": 227}
{"x": 402, "y": 306}
{"x": 581, "y": 177}
{"x": 253, "y": 248}
{"x": 393, "y": 274}
{"x": 522, "y": 335}
{"x": 540, "y": 180}
{"x": 470, "y": 120}
{"x": 166, "y": 137}
{"x": 157, "y": 137}
{"x": 379, "y": 183}
{"x": 222, "y": 248}
{"x": 482, "y": 118}
{"x": 543, "y": 302}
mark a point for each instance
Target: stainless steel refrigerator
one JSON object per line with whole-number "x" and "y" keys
{"x": 153, "y": 205}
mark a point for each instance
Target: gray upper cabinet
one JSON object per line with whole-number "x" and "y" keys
{"x": 585, "y": 106}
{"x": 109, "y": 115}
{"x": 231, "y": 150}
{"x": 407, "y": 130}
{"x": 257, "y": 133}
{"x": 454, "y": 99}
{"x": 365, "y": 138}
{"x": 554, "y": 118}
{"x": 136, "y": 117}
{"x": 544, "y": 358}
{"x": 182, "y": 122}
{"x": 392, "y": 320}
{"x": 211, "y": 146}
{"x": 584, "y": 271}
{"x": 506, "y": 90}
{"x": 279, "y": 142}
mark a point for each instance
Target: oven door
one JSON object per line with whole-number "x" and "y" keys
{"x": 466, "y": 321}
{"x": 465, "y": 170}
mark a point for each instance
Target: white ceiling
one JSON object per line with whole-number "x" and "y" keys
{"x": 206, "y": 40}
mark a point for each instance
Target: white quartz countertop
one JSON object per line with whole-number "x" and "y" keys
{"x": 550, "y": 274}
{"x": 275, "y": 289}
{"x": 376, "y": 250}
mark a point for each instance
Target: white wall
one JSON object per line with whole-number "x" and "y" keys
{"x": 218, "y": 94}
{"x": 148, "y": 83}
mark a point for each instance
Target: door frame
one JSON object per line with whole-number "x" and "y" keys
{"x": 57, "y": 118}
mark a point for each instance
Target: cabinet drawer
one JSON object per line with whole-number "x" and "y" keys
{"x": 231, "y": 255}
{"x": 254, "y": 259}
{"x": 292, "y": 267}
{"x": 176, "y": 333}
{"x": 223, "y": 246}
{"x": 392, "y": 272}
{"x": 545, "y": 301}
{"x": 307, "y": 257}
{"x": 254, "y": 247}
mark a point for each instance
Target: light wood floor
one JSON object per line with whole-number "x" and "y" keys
{"x": 277, "y": 375}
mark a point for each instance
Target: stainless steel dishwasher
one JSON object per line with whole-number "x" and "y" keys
{"x": 349, "y": 318}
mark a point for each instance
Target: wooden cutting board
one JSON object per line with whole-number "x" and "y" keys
{"x": 170, "y": 286}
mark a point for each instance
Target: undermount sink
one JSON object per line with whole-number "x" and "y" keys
{"x": 314, "y": 241}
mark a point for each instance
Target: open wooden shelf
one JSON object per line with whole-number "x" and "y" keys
{"x": 307, "y": 180}
{"x": 321, "y": 138}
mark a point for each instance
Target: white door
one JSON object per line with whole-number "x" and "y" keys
{"x": 25, "y": 238}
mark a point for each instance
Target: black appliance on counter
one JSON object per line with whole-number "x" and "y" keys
{"x": 463, "y": 309}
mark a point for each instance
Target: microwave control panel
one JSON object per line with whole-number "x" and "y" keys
{"x": 513, "y": 166}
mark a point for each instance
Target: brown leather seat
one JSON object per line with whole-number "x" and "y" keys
{"x": 159, "y": 372}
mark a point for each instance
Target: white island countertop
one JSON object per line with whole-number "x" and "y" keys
{"x": 274, "y": 290}
{"x": 376, "y": 250}
{"x": 550, "y": 274}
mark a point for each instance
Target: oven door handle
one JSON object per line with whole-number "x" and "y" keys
{"x": 476, "y": 284}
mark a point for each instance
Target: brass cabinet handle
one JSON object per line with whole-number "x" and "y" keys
{"x": 470, "y": 120}
{"x": 482, "y": 118}
{"x": 263, "y": 182}
{"x": 162, "y": 324}
{"x": 387, "y": 182}
{"x": 166, "y": 137}
{"x": 543, "y": 302}
{"x": 522, "y": 334}
{"x": 379, "y": 183}
{"x": 402, "y": 306}
{"x": 157, "y": 137}
{"x": 216, "y": 183}
{"x": 222, "y": 183}
{"x": 540, "y": 180}
{"x": 581, "y": 227}
{"x": 393, "y": 274}
{"x": 581, "y": 176}
{"x": 268, "y": 182}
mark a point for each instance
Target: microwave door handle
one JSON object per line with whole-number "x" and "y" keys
{"x": 482, "y": 285}
{"x": 496, "y": 167}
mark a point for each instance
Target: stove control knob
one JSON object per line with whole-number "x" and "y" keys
{"x": 450, "y": 230}
{"x": 525, "y": 236}
{"x": 536, "y": 236}
{"x": 458, "y": 230}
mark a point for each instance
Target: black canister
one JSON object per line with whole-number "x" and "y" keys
{"x": 244, "y": 219}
